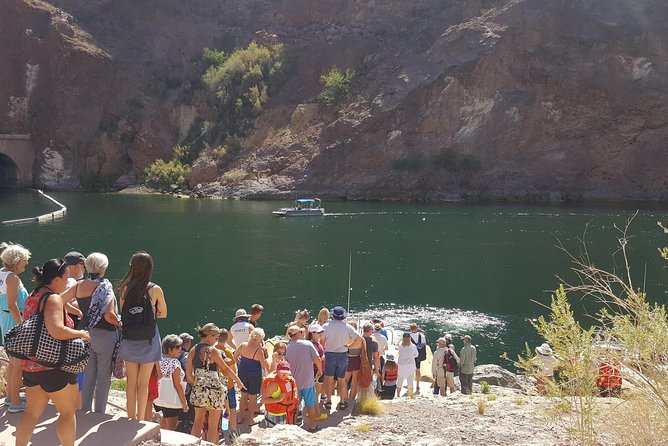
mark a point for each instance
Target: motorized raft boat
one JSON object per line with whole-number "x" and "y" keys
{"x": 303, "y": 207}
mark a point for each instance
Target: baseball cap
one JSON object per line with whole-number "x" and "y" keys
{"x": 74, "y": 258}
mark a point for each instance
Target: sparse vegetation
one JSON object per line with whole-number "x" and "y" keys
{"x": 484, "y": 387}
{"x": 363, "y": 428}
{"x": 491, "y": 397}
{"x": 118, "y": 384}
{"x": 235, "y": 175}
{"x": 369, "y": 406}
{"x": 519, "y": 401}
{"x": 161, "y": 175}
{"x": 481, "y": 404}
{"x": 337, "y": 85}
{"x": 242, "y": 83}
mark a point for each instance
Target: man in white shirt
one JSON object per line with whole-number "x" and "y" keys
{"x": 241, "y": 328}
{"x": 336, "y": 337}
{"x": 383, "y": 343}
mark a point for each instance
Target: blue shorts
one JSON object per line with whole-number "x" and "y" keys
{"x": 308, "y": 395}
{"x": 336, "y": 364}
{"x": 232, "y": 397}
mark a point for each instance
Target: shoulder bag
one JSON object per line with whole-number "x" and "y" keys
{"x": 31, "y": 340}
{"x": 208, "y": 390}
{"x": 168, "y": 396}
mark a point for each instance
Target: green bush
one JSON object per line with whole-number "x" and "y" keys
{"x": 485, "y": 387}
{"x": 213, "y": 57}
{"x": 338, "y": 85}
{"x": 161, "y": 175}
{"x": 242, "y": 84}
{"x": 227, "y": 151}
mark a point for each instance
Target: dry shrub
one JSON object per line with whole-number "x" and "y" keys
{"x": 482, "y": 405}
{"x": 364, "y": 428}
{"x": 235, "y": 175}
{"x": 369, "y": 406}
{"x": 634, "y": 425}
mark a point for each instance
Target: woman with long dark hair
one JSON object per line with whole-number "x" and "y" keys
{"x": 142, "y": 302}
{"x": 43, "y": 383}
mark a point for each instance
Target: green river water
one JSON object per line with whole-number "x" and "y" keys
{"x": 460, "y": 269}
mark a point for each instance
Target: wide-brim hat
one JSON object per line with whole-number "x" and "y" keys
{"x": 294, "y": 329}
{"x": 544, "y": 349}
{"x": 339, "y": 313}
{"x": 240, "y": 314}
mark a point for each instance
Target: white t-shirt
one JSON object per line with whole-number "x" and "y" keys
{"x": 382, "y": 341}
{"x": 336, "y": 336}
{"x": 241, "y": 331}
{"x": 547, "y": 364}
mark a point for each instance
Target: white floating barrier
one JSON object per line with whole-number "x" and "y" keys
{"x": 60, "y": 213}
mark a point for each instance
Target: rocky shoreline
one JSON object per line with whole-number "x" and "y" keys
{"x": 511, "y": 416}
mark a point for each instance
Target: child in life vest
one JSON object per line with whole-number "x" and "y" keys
{"x": 279, "y": 396}
{"x": 389, "y": 378}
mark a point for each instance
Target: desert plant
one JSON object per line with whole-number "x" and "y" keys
{"x": 481, "y": 404}
{"x": 118, "y": 384}
{"x": 242, "y": 84}
{"x": 337, "y": 85}
{"x": 519, "y": 401}
{"x": 491, "y": 397}
{"x": 364, "y": 428}
{"x": 162, "y": 175}
{"x": 235, "y": 175}
{"x": 369, "y": 406}
{"x": 575, "y": 394}
{"x": 213, "y": 57}
{"x": 484, "y": 387}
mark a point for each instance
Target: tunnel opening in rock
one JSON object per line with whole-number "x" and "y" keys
{"x": 9, "y": 173}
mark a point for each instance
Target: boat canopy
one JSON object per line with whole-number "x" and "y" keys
{"x": 307, "y": 200}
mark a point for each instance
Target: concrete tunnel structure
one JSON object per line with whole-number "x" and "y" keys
{"x": 17, "y": 156}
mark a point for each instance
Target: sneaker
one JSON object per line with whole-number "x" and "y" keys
{"x": 16, "y": 409}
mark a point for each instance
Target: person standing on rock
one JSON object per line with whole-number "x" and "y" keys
{"x": 443, "y": 366}
{"x": 302, "y": 356}
{"x": 256, "y": 313}
{"x": 419, "y": 340}
{"x": 407, "y": 360}
{"x": 336, "y": 337}
{"x": 467, "y": 359}
{"x": 241, "y": 328}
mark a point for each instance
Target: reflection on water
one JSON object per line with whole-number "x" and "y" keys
{"x": 462, "y": 269}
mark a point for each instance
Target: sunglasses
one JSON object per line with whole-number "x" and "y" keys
{"x": 280, "y": 354}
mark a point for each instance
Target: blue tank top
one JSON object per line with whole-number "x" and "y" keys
{"x": 22, "y": 297}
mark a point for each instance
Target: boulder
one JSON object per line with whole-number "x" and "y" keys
{"x": 497, "y": 376}
{"x": 204, "y": 170}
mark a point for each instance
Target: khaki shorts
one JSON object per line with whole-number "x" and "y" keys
{"x": 443, "y": 378}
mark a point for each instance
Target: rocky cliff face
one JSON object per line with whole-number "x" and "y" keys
{"x": 513, "y": 99}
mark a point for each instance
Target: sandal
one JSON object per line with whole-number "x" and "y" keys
{"x": 328, "y": 405}
{"x": 342, "y": 406}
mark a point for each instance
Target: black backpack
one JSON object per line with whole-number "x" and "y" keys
{"x": 450, "y": 362}
{"x": 138, "y": 319}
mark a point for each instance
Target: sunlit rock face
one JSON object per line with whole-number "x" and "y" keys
{"x": 502, "y": 99}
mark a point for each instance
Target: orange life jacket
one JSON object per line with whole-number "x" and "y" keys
{"x": 289, "y": 388}
{"x": 609, "y": 376}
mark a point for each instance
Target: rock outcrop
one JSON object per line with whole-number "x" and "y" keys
{"x": 502, "y": 99}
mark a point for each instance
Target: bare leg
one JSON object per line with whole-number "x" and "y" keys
{"x": 343, "y": 389}
{"x": 65, "y": 401}
{"x": 243, "y": 406}
{"x": 36, "y": 401}
{"x": 200, "y": 413}
{"x": 212, "y": 434}
{"x": 143, "y": 378}
{"x": 252, "y": 408}
{"x": 329, "y": 387}
{"x": 417, "y": 380}
{"x": 354, "y": 387}
{"x": 14, "y": 380}
{"x": 148, "y": 415}
{"x": 131, "y": 389}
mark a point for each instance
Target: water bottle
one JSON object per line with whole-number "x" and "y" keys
{"x": 225, "y": 423}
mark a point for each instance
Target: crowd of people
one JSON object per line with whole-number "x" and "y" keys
{"x": 218, "y": 383}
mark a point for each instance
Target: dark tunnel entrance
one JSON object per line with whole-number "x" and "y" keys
{"x": 9, "y": 173}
